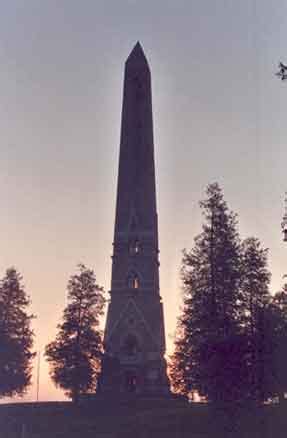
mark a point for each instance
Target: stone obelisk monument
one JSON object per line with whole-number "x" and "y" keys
{"x": 134, "y": 335}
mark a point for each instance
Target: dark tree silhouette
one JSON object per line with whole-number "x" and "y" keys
{"x": 232, "y": 334}
{"x": 16, "y": 336}
{"x": 277, "y": 335}
{"x": 75, "y": 354}
{"x": 181, "y": 360}
{"x": 255, "y": 298}
{"x": 282, "y": 73}
{"x": 208, "y": 356}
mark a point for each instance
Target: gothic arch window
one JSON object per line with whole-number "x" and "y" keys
{"x": 136, "y": 283}
{"x": 133, "y": 281}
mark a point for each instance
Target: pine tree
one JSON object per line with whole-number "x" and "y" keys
{"x": 277, "y": 316}
{"x": 179, "y": 364}
{"x": 75, "y": 354}
{"x": 16, "y": 336}
{"x": 255, "y": 298}
{"x": 209, "y": 325}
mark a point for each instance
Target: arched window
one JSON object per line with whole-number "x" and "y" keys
{"x": 133, "y": 281}
{"x": 136, "y": 283}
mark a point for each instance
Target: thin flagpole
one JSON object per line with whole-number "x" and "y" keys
{"x": 38, "y": 374}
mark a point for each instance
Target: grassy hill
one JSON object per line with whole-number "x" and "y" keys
{"x": 140, "y": 419}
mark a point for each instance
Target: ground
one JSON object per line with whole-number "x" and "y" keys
{"x": 141, "y": 419}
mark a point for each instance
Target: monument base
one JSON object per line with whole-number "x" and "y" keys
{"x": 123, "y": 378}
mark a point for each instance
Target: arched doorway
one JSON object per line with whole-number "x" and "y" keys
{"x": 130, "y": 353}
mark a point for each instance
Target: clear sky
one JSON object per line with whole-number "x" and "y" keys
{"x": 219, "y": 115}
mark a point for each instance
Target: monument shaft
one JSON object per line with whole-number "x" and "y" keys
{"x": 134, "y": 335}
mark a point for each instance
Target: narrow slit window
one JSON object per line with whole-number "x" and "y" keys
{"x": 134, "y": 247}
{"x": 136, "y": 284}
{"x": 133, "y": 282}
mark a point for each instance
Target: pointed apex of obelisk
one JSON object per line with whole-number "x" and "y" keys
{"x": 137, "y": 58}
{"x": 138, "y": 48}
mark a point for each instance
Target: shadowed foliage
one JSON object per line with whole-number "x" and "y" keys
{"x": 228, "y": 332}
{"x": 255, "y": 296}
{"x": 276, "y": 328}
{"x": 209, "y": 321}
{"x": 16, "y": 336}
{"x": 74, "y": 355}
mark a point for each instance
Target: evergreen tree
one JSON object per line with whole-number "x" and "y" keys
{"x": 179, "y": 364}
{"x": 16, "y": 336}
{"x": 75, "y": 354}
{"x": 212, "y": 363}
{"x": 277, "y": 331}
{"x": 255, "y": 298}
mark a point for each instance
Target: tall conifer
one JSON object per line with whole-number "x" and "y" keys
{"x": 255, "y": 299}
{"x": 209, "y": 324}
{"x": 277, "y": 317}
{"x": 74, "y": 356}
{"x": 16, "y": 336}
